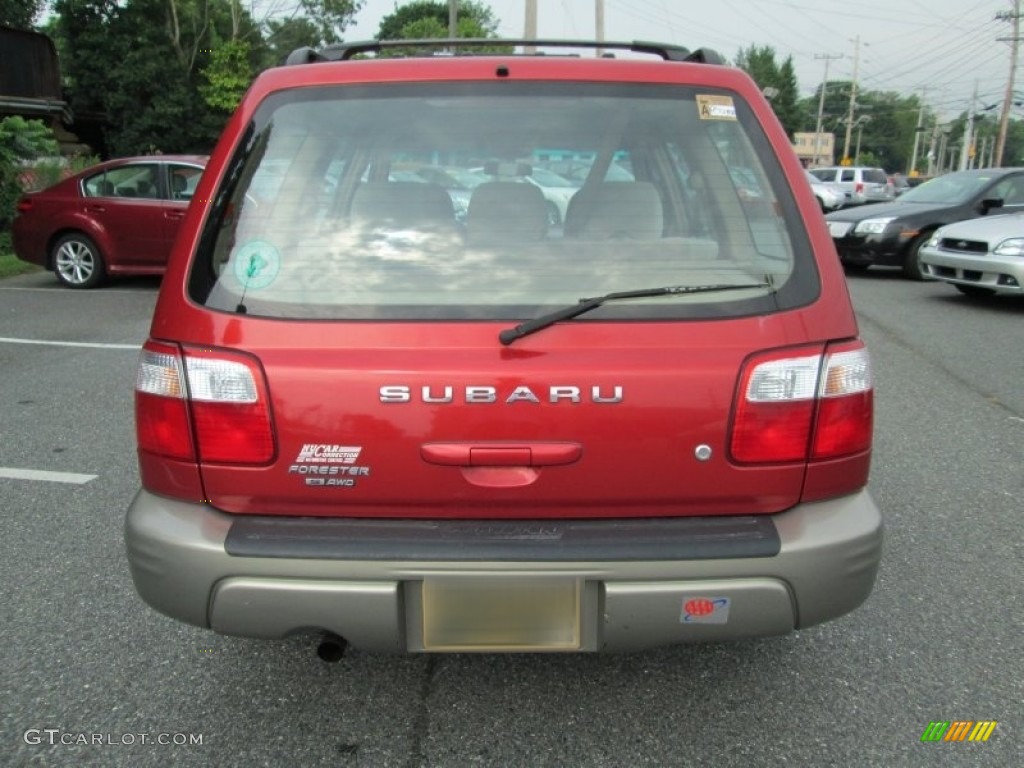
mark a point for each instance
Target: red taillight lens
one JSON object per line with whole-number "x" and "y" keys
{"x": 793, "y": 407}
{"x": 846, "y": 403}
{"x": 161, "y": 413}
{"x": 775, "y": 409}
{"x": 210, "y": 403}
{"x": 25, "y": 205}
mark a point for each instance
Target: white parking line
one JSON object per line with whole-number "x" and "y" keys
{"x": 65, "y": 292}
{"x": 88, "y": 344}
{"x": 12, "y": 473}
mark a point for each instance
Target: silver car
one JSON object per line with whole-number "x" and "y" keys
{"x": 979, "y": 257}
{"x": 831, "y": 197}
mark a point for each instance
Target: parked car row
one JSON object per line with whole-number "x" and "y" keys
{"x": 121, "y": 217}
{"x": 894, "y": 233}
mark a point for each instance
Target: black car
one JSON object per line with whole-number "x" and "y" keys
{"x": 892, "y": 234}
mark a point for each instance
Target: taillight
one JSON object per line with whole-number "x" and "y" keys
{"x": 161, "y": 414}
{"x": 859, "y": 187}
{"x": 845, "y": 403}
{"x": 208, "y": 404}
{"x": 795, "y": 407}
{"x": 24, "y": 205}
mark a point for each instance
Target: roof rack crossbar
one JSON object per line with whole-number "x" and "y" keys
{"x": 345, "y": 51}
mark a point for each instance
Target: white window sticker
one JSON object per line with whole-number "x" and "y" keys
{"x": 716, "y": 107}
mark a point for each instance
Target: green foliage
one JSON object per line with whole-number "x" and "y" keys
{"x": 164, "y": 73}
{"x": 285, "y": 35}
{"x": 760, "y": 64}
{"x": 479, "y": 19}
{"x": 21, "y": 141}
{"x": 329, "y": 18}
{"x": 19, "y": 13}
{"x": 227, "y": 75}
{"x": 887, "y": 127}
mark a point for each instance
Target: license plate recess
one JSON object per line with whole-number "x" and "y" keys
{"x": 518, "y": 613}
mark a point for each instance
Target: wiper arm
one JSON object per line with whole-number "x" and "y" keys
{"x": 509, "y": 335}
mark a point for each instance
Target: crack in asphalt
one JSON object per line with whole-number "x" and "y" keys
{"x": 421, "y": 725}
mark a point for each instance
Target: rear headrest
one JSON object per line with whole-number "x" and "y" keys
{"x": 616, "y": 210}
{"x": 506, "y": 211}
{"x": 402, "y": 204}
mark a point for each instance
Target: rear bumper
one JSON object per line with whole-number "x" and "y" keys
{"x": 634, "y": 580}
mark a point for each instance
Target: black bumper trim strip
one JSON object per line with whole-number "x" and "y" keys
{"x": 647, "y": 539}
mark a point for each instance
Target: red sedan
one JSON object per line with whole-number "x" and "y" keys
{"x": 116, "y": 218}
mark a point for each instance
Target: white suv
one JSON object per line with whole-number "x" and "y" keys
{"x": 863, "y": 184}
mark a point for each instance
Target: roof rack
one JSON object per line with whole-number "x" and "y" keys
{"x": 345, "y": 51}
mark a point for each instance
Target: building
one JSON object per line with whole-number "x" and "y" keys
{"x": 30, "y": 84}
{"x": 815, "y": 149}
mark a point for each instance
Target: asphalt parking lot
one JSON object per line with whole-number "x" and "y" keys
{"x": 940, "y": 639}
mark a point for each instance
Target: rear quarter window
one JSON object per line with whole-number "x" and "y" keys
{"x": 499, "y": 200}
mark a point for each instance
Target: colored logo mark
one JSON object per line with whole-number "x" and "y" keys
{"x": 257, "y": 264}
{"x": 705, "y": 610}
{"x": 699, "y": 607}
{"x": 959, "y": 730}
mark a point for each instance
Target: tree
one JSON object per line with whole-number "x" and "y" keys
{"x": 227, "y": 75}
{"x": 329, "y": 18}
{"x": 474, "y": 20}
{"x": 285, "y": 35}
{"x": 19, "y": 13}
{"x": 159, "y": 73}
{"x": 760, "y": 64}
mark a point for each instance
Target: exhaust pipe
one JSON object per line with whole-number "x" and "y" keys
{"x": 332, "y": 648}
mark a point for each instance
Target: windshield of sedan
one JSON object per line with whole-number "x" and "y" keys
{"x": 341, "y": 204}
{"x": 953, "y": 188}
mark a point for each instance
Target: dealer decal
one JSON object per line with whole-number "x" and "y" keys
{"x": 716, "y": 107}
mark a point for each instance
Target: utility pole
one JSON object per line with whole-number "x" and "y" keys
{"x": 599, "y": 23}
{"x": 453, "y": 19}
{"x": 821, "y": 105}
{"x": 530, "y": 27}
{"x": 1004, "y": 118}
{"x": 931, "y": 149}
{"x": 965, "y": 151}
{"x": 912, "y": 170}
{"x": 853, "y": 101}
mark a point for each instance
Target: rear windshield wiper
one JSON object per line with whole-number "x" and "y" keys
{"x": 585, "y": 305}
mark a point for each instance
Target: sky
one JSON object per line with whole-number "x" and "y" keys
{"x": 939, "y": 49}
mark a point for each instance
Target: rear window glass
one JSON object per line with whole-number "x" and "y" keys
{"x": 499, "y": 201}
{"x": 875, "y": 176}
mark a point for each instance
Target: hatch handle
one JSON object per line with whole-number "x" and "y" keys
{"x": 501, "y": 454}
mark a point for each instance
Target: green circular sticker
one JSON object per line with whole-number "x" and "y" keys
{"x": 257, "y": 264}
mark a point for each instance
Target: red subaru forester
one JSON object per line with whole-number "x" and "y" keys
{"x": 365, "y": 413}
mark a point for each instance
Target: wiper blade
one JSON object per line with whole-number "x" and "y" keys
{"x": 509, "y": 335}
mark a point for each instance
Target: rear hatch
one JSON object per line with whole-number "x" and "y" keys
{"x": 347, "y": 343}
{"x": 564, "y": 428}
